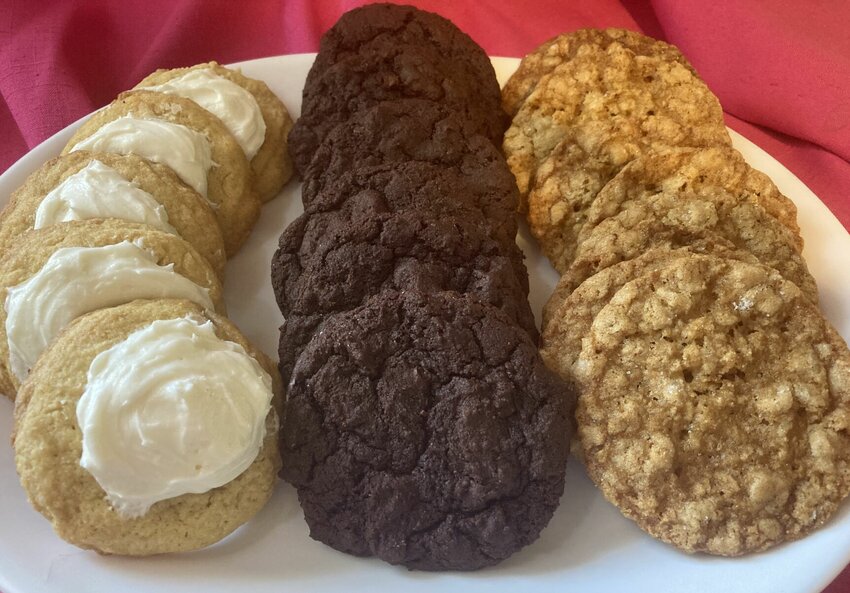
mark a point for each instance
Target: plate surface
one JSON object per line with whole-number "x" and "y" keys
{"x": 588, "y": 546}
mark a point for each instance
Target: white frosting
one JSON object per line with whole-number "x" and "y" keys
{"x": 233, "y": 105}
{"x": 186, "y": 151}
{"x": 99, "y": 191}
{"x": 171, "y": 410}
{"x": 77, "y": 280}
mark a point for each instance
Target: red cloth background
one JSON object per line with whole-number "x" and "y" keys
{"x": 781, "y": 69}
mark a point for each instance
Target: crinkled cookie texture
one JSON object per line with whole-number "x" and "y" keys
{"x": 230, "y": 191}
{"x": 385, "y": 52}
{"x": 35, "y": 248}
{"x": 329, "y": 262}
{"x": 569, "y": 313}
{"x": 48, "y": 447}
{"x": 425, "y": 430}
{"x": 405, "y": 130}
{"x": 698, "y": 170}
{"x": 676, "y": 219}
{"x": 272, "y": 165}
{"x": 563, "y": 48}
{"x": 614, "y": 104}
{"x": 488, "y": 194}
{"x": 188, "y": 212}
{"x": 716, "y": 410}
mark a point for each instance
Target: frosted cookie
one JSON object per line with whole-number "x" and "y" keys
{"x": 81, "y": 185}
{"x": 65, "y": 270}
{"x": 715, "y": 412}
{"x": 676, "y": 219}
{"x": 113, "y": 398}
{"x": 700, "y": 171}
{"x": 569, "y": 312}
{"x": 254, "y": 115}
{"x": 426, "y": 431}
{"x": 614, "y": 104}
{"x": 195, "y": 144}
{"x": 384, "y": 52}
{"x": 560, "y": 49}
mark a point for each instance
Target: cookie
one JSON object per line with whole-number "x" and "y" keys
{"x": 332, "y": 262}
{"x": 402, "y": 131}
{"x": 385, "y": 52}
{"x": 184, "y": 210}
{"x": 48, "y": 443}
{"x": 425, "y": 430}
{"x": 716, "y": 409}
{"x": 71, "y": 287}
{"x": 676, "y": 219}
{"x": 548, "y": 56}
{"x": 270, "y": 162}
{"x": 701, "y": 171}
{"x": 569, "y": 312}
{"x": 614, "y": 104}
{"x": 488, "y": 193}
{"x": 222, "y": 174}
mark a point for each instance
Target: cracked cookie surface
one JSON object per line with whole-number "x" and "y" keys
{"x": 386, "y": 52}
{"x": 425, "y": 430}
{"x": 329, "y": 262}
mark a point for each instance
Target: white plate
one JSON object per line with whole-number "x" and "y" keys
{"x": 588, "y": 546}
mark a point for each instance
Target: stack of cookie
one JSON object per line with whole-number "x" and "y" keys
{"x": 714, "y": 397}
{"x": 421, "y": 425}
{"x": 126, "y": 373}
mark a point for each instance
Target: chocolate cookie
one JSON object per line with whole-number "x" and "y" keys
{"x": 384, "y": 52}
{"x": 334, "y": 261}
{"x": 400, "y": 131}
{"x": 426, "y": 431}
{"x": 489, "y": 193}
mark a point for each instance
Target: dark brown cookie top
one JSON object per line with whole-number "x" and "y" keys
{"x": 385, "y": 52}
{"x": 440, "y": 191}
{"x": 401, "y": 131}
{"x": 426, "y": 431}
{"x": 329, "y": 262}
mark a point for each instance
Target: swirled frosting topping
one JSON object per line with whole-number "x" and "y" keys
{"x": 232, "y": 104}
{"x": 171, "y": 410}
{"x": 186, "y": 151}
{"x": 99, "y": 191}
{"x": 77, "y": 280}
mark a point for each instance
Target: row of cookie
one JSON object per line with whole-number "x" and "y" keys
{"x": 153, "y": 221}
{"x": 190, "y": 151}
{"x": 421, "y": 425}
{"x": 139, "y": 160}
{"x": 685, "y": 312}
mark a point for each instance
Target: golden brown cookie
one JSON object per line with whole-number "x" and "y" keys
{"x": 36, "y": 247}
{"x": 48, "y": 446}
{"x": 563, "y": 48}
{"x": 570, "y": 310}
{"x": 272, "y": 165}
{"x": 716, "y": 410}
{"x": 230, "y": 193}
{"x": 698, "y": 170}
{"x": 614, "y": 104}
{"x": 677, "y": 219}
{"x": 189, "y": 214}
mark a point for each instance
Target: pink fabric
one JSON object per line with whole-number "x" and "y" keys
{"x": 780, "y": 68}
